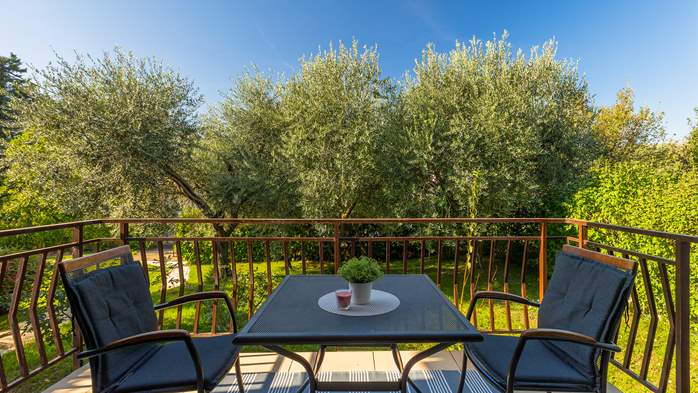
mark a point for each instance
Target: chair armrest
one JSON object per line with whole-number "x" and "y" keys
{"x": 199, "y": 296}
{"x": 551, "y": 335}
{"x": 566, "y": 335}
{"x": 154, "y": 337}
{"x": 138, "y": 339}
{"x": 498, "y": 296}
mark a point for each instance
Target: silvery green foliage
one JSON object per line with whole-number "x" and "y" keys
{"x": 338, "y": 140}
{"x": 240, "y": 155}
{"x": 107, "y": 136}
{"x": 493, "y": 133}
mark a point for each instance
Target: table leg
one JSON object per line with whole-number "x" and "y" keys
{"x": 320, "y": 357}
{"x": 416, "y": 358}
{"x": 463, "y": 369}
{"x": 300, "y": 359}
{"x": 398, "y": 362}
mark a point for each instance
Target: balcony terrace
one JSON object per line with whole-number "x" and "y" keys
{"x": 461, "y": 255}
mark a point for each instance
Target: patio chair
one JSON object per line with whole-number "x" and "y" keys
{"x": 111, "y": 303}
{"x": 578, "y": 321}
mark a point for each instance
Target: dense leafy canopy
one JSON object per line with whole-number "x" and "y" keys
{"x": 478, "y": 131}
{"x": 338, "y": 138}
{"x": 642, "y": 181}
{"x": 239, "y": 161}
{"x": 106, "y": 136}
{"x": 493, "y": 133}
{"x": 622, "y": 131}
{"x": 13, "y": 86}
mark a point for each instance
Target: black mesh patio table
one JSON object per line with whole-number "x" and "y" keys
{"x": 291, "y": 315}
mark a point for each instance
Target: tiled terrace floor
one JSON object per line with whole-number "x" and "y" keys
{"x": 79, "y": 380}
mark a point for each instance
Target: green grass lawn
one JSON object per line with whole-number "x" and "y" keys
{"x": 625, "y": 383}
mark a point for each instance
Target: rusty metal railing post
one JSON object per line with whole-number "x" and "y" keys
{"x": 77, "y": 250}
{"x": 582, "y": 233}
{"x": 337, "y": 227}
{"x": 683, "y": 337}
{"x": 543, "y": 260}
{"x": 123, "y": 232}
{"x": 77, "y": 238}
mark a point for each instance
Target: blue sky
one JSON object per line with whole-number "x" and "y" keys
{"x": 651, "y": 46}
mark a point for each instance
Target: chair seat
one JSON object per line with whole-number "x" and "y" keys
{"x": 170, "y": 367}
{"x": 538, "y": 368}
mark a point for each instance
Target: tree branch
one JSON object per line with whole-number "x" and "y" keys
{"x": 190, "y": 194}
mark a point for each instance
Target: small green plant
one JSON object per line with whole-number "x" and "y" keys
{"x": 361, "y": 270}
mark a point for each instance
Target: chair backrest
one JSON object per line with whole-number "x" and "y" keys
{"x": 110, "y": 299}
{"x": 587, "y": 294}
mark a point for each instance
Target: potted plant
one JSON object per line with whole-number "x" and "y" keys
{"x": 361, "y": 273}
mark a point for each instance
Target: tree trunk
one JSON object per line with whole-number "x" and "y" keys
{"x": 224, "y": 253}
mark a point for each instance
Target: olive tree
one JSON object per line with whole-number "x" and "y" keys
{"x": 338, "y": 140}
{"x": 494, "y": 133}
{"x": 108, "y": 136}
{"x": 240, "y": 154}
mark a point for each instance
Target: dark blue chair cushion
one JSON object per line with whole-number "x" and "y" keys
{"x": 171, "y": 368}
{"x": 540, "y": 367}
{"x": 587, "y": 297}
{"x": 114, "y": 303}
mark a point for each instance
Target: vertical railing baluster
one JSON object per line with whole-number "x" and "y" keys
{"x": 404, "y": 256}
{"x": 671, "y": 337}
{"x": 649, "y": 343}
{"x": 287, "y": 264}
{"x": 3, "y": 376}
{"x": 321, "y": 251}
{"x": 336, "y": 233}
{"x": 634, "y": 324}
{"x": 524, "y": 259}
{"x": 3, "y": 274}
{"x": 370, "y": 248}
{"x": 473, "y": 281}
{"x": 77, "y": 238}
{"x": 303, "y": 263}
{"x": 683, "y": 316}
{"x": 180, "y": 269}
{"x": 388, "y": 257}
{"x": 234, "y": 272}
{"x": 543, "y": 261}
{"x": 456, "y": 257}
{"x": 77, "y": 251}
{"x": 250, "y": 263}
{"x": 438, "y": 263}
{"x": 216, "y": 286}
{"x": 33, "y": 316}
{"x": 12, "y": 317}
{"x": 267, "y": 258}
{"x": 582, "y": 234}
{"x": 163, "y": 283}
{"x": 52, "y": 318}
{"x": 421, "y": 257}
{"x": 144, "y": 261}
{"x": 505, "y": 286}
{"x": 490, "y": 283}
{"x": 200, "y": 284}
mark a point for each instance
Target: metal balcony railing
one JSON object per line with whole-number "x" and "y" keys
{"x": 461, "y": 255}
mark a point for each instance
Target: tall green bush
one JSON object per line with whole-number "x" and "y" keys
{"x": 659, "y": 192}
